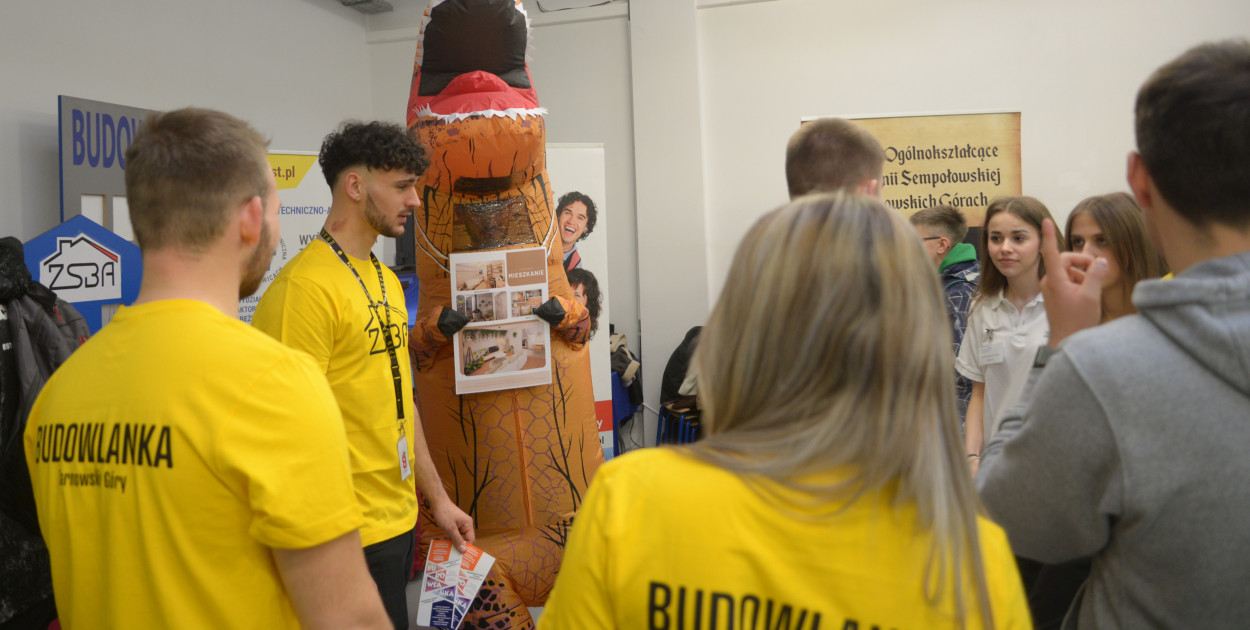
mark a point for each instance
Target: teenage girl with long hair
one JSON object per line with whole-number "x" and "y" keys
{"x": 1008, "y": 319}
{"x": 1111, "y": 226}
{"x": 830, "y": 489}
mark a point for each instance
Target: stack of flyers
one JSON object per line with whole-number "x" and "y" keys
{"x": 450, "y": 584}
{"x": 438, "y": 586}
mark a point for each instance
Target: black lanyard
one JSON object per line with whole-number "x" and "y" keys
{"x": 390, "y": 344}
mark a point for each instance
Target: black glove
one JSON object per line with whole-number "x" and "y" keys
{"x": 551, "y": 312}
{"x": 450, "y": 321}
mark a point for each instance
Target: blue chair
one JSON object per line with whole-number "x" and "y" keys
{"x": 622, "y": 411}
{"x": 677, "y": 427}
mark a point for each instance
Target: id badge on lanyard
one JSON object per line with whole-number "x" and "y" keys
{"x": 401, "y": 447}
{"x": 405, "y": 468}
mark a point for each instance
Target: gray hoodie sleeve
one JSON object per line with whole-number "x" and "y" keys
{"x": 1051, "y": 476}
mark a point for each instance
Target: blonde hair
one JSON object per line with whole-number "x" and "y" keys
{"x": 828, "y": 350}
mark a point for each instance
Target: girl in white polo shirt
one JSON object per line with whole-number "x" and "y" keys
{"x": 1008, "y": 319}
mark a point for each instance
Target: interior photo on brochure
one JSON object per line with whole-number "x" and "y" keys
{"x": 505, "y": 345}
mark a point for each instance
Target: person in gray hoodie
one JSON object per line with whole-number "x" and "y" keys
{"x": 1131, "y": 445}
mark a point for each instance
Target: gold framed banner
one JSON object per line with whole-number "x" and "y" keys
{"x": 961, "y": 160}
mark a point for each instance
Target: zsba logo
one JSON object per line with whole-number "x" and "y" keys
{"x": 82, "y": 270}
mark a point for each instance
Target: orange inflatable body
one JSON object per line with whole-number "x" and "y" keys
{"x": 517, "y": 460}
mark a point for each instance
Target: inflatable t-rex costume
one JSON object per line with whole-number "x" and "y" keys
{"x": 517, "y": 460}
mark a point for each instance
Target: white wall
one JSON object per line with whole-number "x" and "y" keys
{"x": 292, "y": 68}
{"x": 392, "y": 42}
{"x": 673, "y": 228}
{"x": 581, "y": 72}
{"x": 1071, "y": 67}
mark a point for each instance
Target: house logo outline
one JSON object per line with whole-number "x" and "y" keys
{"x": 82, "y": 269}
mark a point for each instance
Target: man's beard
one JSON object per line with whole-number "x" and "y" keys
{"x": 258, "y": 263}
{"x": 378, "y": 221}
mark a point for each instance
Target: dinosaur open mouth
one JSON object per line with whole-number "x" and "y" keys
{"x": 471, "y": 57}
{"x": 463, "y": 36}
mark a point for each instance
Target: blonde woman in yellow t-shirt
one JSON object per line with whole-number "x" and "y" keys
{"x": 831, "y": 489}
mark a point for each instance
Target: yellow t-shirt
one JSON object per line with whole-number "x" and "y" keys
{"x": 317, "y": 305}
{"x": 667, "y": 541}
{"x": 168, "y": 455}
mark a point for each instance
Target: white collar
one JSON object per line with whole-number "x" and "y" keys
{"x": 1002, "y": 299}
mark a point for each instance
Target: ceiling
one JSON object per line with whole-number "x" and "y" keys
{"x": 371, "y": 7}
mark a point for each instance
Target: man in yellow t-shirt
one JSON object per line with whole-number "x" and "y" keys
{"x": 189, "y": 472}
{"x": 336, "y": 302}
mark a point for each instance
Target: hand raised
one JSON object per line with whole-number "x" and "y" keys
{"x": 1071, "y": 288}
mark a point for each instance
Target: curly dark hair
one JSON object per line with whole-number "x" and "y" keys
{"x": 376, "y": 145}
{"x": 591, "y": 212}
{"x": 594, "y": 299}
